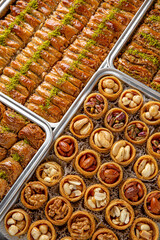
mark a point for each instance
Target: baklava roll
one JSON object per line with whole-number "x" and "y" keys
{"x": 150, "y": 113}
{"x": 104, "y": 233}
{"x": 153, "y": 145}
{"x": 4, "y": 186}
{"x": 152, "y": 204}
{"x": 3, "y": 153}
{"x": 7, "y": 138}
{"x": 2, "y": 110}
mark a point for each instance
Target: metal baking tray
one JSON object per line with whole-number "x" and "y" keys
{"x": 4, "y": 6}
{"x": 10, "y": 198}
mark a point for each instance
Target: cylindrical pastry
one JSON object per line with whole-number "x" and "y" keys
{"x": 34, "y": 195}
{"x": 96, "y": 197}
{"x": 152, "y": 204}
{"x": 87, "y": 163}
{"x": 4, "y": 188}
{"x": 17, "y": 222}
{"x": 136, "y": 132}
{"x": 131, "y": 101}
{"x": 116, "y": 120}
{"x": 110, "y": 174}
{"x": 150, "y": 113}
{"x": 133, "y": 191}
{"x": 110, "y": 87}
{"x": 58, "y": 210}
{"x": 81, "y": 225}
{"x": 41, "y": 229}
{"x": 101, "y": 140}
{"x": 95, "y": 105}
{"x": 123, "y": 152}
{"x": 158, "y": 181}
{"x": 104, "y": 233}
{"x": 66, "y": 148}
{"x": 81, "y": 126}
{"x": 49, "y": 173}
{"x": 144, "y": 228}
{"x": 119, "y": 214}
{"x": 153, "y": 145}
{"x": 72, "y": 187}
{"x": 146, "y": 167}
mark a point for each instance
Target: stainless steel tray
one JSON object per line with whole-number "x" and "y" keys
{"x": 4, "y": 6}
{"x": 10, "y": 198}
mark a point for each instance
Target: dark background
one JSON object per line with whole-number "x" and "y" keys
{"x": 2, "y": 238}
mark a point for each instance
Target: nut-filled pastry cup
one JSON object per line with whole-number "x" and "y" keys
{"x": 81, "y": 225}
{"x": 119, "y": 214}
{"x": 133, "y": 191}
{"x": 144, "y": 228}
{"x": 116, "y": 120}
{"x": 153, "y": 145}
{"x": 95, "y": 105}
{"x": 131, "y": 101}
{"x": 87, "y": 163}
{"x": 146, "y": 167}
{"x": 41, "y": 229}
{"x": 81, "y": 126}
{"x": 58, "y": 210}
{"x": 17, "y": 222}
{"x": 66, "y": 238}
{"x": 66, "y": 148}
{"x": 150, "y": 113}
{"x": 72, "y": 187}
{"x": 110, "y": 87}
{"x": 152, "y": 204}
{"x": 49, "y": 173}
{"x": 123, "y": 152}
{"x": 101, "y": 140}
{"x": 105, "y": 233}
{"x": 34, "y": 195}
{"x": 96, "y": 197}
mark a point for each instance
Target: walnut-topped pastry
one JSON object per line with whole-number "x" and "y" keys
{"x": 153, "y": 145}
{"x": 58, "y": 210}
{"x": 104, "y": 234}
{"x": 150, "y": 113}
{"x": 34, "y": 195}
{"x": 152, "y": 204}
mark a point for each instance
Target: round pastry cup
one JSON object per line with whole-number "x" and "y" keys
{"x": 41, "y": 222}
{"x": 99, "y": 115}
{"x": 123, "y": 203}
{"x": 72, "y": 177}
{"x": 122, "y": 195}
{"x": 94, "y": 146}
{"x": 86, "y": 197}
{"x": 148, "y": 221}
{"x": 126, "y": 162}
{"x": 76, "y": 118}
{"x": 27, "y": 205}
{"x": 155, "y": 216}
{"x": 83, "y": 214}
{"x": 127, "y": 109}
{"x": 103, "y": 231}
{"x": 111, "y": 128}
{"x": 66, "y": 238}
{"x": 112, "y": 96}
{"x": 65, "y": 219}
{"x": 120, "y": 177}
{"x": 83, "y": 172}
{"x": 140, "y": 142}
{"x": 66, "y": 159}
{"x": 147, "y": 157}
{"x": 49, "y": 184}
{"x": 26, "y": 218}
{"x": 145, "y": 108}
{"x": 149, "y": 145}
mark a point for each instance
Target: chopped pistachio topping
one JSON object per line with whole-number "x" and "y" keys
{"x": 154, "y": 18}
{"x": 3, "y": 175}
{"x": 16, "y": 157}
{"x": 152, "y": 40}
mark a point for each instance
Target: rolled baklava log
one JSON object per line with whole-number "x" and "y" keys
{"x": 2, "y": 110}
{"x": 4, "y": 187}
{"x": 3, "y": 153}
{"x": 7, "y": 138}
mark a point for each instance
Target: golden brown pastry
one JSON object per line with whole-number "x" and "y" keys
{"x": 152, "y": 204}
{"x": 131, "y": 101}
{"x": 58, "y": 210}
{"x": 153, "y": 145}
{"x": 81, "y": 126}
{"x": 123, "y": 152}
{"x": 95, "y": 105}
{"x": 116, "y": 120}
{"x": 144, "y": 228}
{"x": 4, "y": 187}
{"x": 34, "y": 195}
{"x": 150, "y": 113}
{"x": 101, "y": 140}
{"x": 67, "y": 238}
{"x": 158, "y": 181}
{"x": 66, "y": 148}
{"x": 17, "y": 222}
{"x": 119, "y": 214}
{"x": 146, "y": 167}
{"x": 87, "y": 163}
{"x": 133, "y": 191}
{"x": 96, "y": 197}
{"x": 110, "y": 87}
{"x": 81, "y": 225}
{"x": 72, "y": 187}
{"x": 41, "y": 230}
{"x": 110, "y": 174}
{"x": 136, "y": 132}
{"x": 49, "y": 173}
{"x": 104, "y": 234}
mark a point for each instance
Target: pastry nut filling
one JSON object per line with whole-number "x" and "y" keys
{"x": 58, "y": 210}
{"x": 131, "y": 99}
{"x": 121, "y": 151}
{"x": 156, "y": 145}
{"x": 133, "y": 191}
{"x": 102, "y": 139}
{"x": 146, "y": 168}
{"x": 137, "y": 131}
{"x": 16, "y": 223}
{"x": 66, "y": 147}
{"x": 81, "y": 126}
{"x": 120, "y": 215}
{"x": 50, "y": 172}
{"x": 116, "y": 119}
{"x": 73, "y": 188}
{"x": 105, "y": 236}
{"x": 153, "y": 203}
{"x": 95, "y": 104}
{"x": 144, "y": 231}
{"x": 153, "y": 113}
{"x": 41, "y": 232}
{"x": 109, "y": 173}
{"x": 97, "y": 198}
{"x": 109, "y": 86}
{"x": 88, "y": 162}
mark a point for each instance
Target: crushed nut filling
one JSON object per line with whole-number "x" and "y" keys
{"x": 50, "y": 172}
{"x": 35, "y": 194}
{"x": 120, "y": 215}
{"x": 58, "y": 209}
{"x": 81, "y": 226}
{"x": 73, "y": 188}
{"x": 105, "y": 236}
